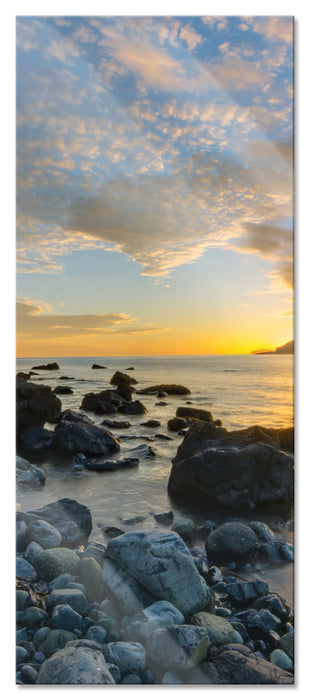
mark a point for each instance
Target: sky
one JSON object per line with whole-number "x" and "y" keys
{"x": 154, "y": 184}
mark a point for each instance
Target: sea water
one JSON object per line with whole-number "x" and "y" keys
{"x": 241, "y": 390}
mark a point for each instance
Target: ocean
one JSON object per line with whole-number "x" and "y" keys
{"x": 241, "y": 390}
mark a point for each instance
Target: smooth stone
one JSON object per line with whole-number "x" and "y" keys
{"x": 21, "y": 655}
{"x": 55, "y": 640}
{"x": 83, "y": 436}
{"x": 132, "y": 408}
{"x": 219, "y": 629}
{"x": 61, "y": 581}
{"x": 161, "y": 562}
{"x": 96, "y": 633}
{"x": 90, "y": 573}
{"x": 34, "y": 617}
{"x": 68, "y": 596}
{"x": 263, "y": 532}
{"x": 286, "y": 643}
{"x": 44, "y": 534}
{"x": 185, "y": 528}
{"x": 112, "y": 465}
{"x": 131, "y": 679}
{"x": 262, "y": 622}
{"x": 164, "y": 518}
{"x": 22, "y": 600}
{"x": 65, "y": 618}
{"x": 275, "y": 605}
{"x": 235, "y": 664}
{"x": 231, "y": 541}
{"x": 122, "y": 378}
{"x": 128, "y": 656}
{"x": 40, "y": 635}
{"x": 34, "y": 477}
{"x": 35, "y": 405}
{"x": 32, "y": 551}
{"x": 62, "y": 390}
{"x": 246, "y": 591}
{"x": 25, "y": 570}
{"x": 115, "y": 672}
{"x": 178, "y": 646}
{"x": 28, "y": 674}
{"x": 21, "y": 536}
{"x": 112, "y": 531}
{"x": 67, "y": 510}
{"x": 151, "y": 423}
{"x": 176, "y": 424}
{"x": 190, "y": 412}
{"x": 129, "y": 594}
{"x": 74, "y": 665}
{"x": 281, "y": 659}
{"x": 158, "y": 615}
{"x": 171, "y": 389}
{"x": 52, "y": 562}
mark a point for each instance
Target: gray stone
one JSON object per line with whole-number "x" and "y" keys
{"x": 178, "y": 646}
{"x": 131, "y": 679}
{"x": 220, "y": 631}
{"x": 40, "y": 635}
{"x": 52, "y": 562}
{"x": 115, "y": 672}
{"x": 161, "y": 562}
{"x": 34, "y": 617}
{"x": 91, "y": 576}
{"x": 287, "y": 644}
{"x": 96, "y": 633}
{"x": 64, "y": 511}
{"x": 21, "y": 535}
{"x": 32, "y": 478}
{"x": 185, "y": 528}
{"x": 190, "y": 412}
{"x": 74, "y": 665}
{"x": 45, "y": 534}
{"x": 158, "y": 615}
{"x": 22, "y": 600}
{"x": 234, "y": 664}
{"x": 25, "y": 570}
{"x": 55, "y": 640}
{"x": 28, "y": 674}
{"x": 230, "y": 542}
{"x": 129, "y": 595}
{"x": 68, "y": 596}
{"x": 21, "y": 655}
{"x": 246, "y": 591}
{"x": 281, "y": 659}
{"x": 61, "y": 581}
{"x": 65, "y": 618}
{"x": 128, "y": 656}
{"x": 32, "y": 551}
{"x": 263, "y": 532}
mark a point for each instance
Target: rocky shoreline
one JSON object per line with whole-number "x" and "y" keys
{"x": 172, "y": 605}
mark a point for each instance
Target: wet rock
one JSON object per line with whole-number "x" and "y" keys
{"x": 32, "y": 478}
{"x": 128, "y": 656}
{"x": 52, "y": 562}
{"x": 74, "y": 665}
{"x": 256, "y": 474}
{"x": 35, "y": 405}
{"x": 112, "y": 531}
{"x": 220, "y": 631}
{"x": 28, "y": 674}
{"x": 110, "y": 465}
{"x": 135, "y": 408}
{"x": 171, "y": 389}
{"x": 159, "y": 615}
{"x": 185, "y": 528}
{"x": 118, "y": 424}
{"x": 62, "y": 390}
{"x": 287, "y": 644}
{"x": 24, "y": 570}
{"x": 49, "y": 365}
{"x": 281, "y": 659}
{"x": 36, "y": 441}
{"x": 190, "y": 412}
{"x": 275, "y": 605}
{"x": 164, "y": 518}
{"x": 144, "y": 451}
{"x": 83, "y": 436}
{"x": 151, "y": 423}
{"x": 91, "y": 576}
{"x": 242, "y": 592}
{"x": 129, "y": 595}
{"x": 276, "y": 551}
{"x": 122, "y": 378}
{"x": 231, "y": 541}
{"x": 263, "y": 532}
{"x": 45, "y": 534}
{"x": 97, "y": 402}
{"x": 178, "y": 646}
{"x": 262, "y": 622}
{"x": 68, "y": 596}
{"x": 161, "y": 562}
{"x": 96, "y": 634}
{"x": 94, "y": 366}
{"x": 234, "y": 664}
{"x": 21, "y": 536}
{"x": 66, "y": 510}
{"x": 65, "y": 618}
{"x": 162, "y": 436}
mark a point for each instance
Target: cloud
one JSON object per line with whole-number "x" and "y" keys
{"x": 34, "y": 323}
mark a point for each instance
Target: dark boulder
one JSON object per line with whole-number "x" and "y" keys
{"x": 62, "y": 390}
{"x": 49, "y": 365}
{"x": 71, "y": 436}
{"x": 95, "y": 402}
{"x": 234, "y": 664}
{"x": 36, "y": 441}
{"x": 151, "y": 423}
{"x": 132, "y": 408}
{"x": 189, "y": 412}
{"x": 110, "y": 465}
{"x": 35, "y": 405}
{"x": 23, "y": 375}
{"x": 66, "y": 510}
{"x": 207, "y": 470}
{"x": 173, "y": 389}
{"x": 231, "y": 541}
{"x": 122, "y": 378}
{"x": 94, "y": 366}
{"x": 118, "y": 424}
{"x": 176, "y": 424}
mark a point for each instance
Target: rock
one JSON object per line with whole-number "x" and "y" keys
{"x": 275, "y": 605}
{"x": 21, "y": 536}
{"x": 91, "y": 576}
{"x": 97, "y": 402}
{"x": 83, "y": 436}
{"x": 122, "y": 378}
{"x": 170, "y": 678}
{"x": 276, "y": 551}
{"x": 176, "y": 424}
{"x": 61, "y": 581}
{"x": 32, "y": 551}
{"x": 164, "y": 518}
{"x": 257, "y": 474}
{"x": 161, "y": 562}
{"x": 55, "y": 640}
{"x": 134, "y": 408}
{"x": 28, "y": 674}
{"x": 96, "y": 633}
{"x": 172, "y": 389}
{"x": 230, "y": 542}
{"x": 68, "y": 596}
{"x": 74, "y": 665}
{"x": 34, "y": 617}
{"x": 234, "y": 664}
{"x": 118, "y": 424}
{"x": 23, "y": 375}
{"x": 44, "y": 534}
{"x": 64, "y": 511}
{"x": 131, "y": 679}
{"x": 161, "y": 614}
{"x": 178, "y": 646}
{"x": 128, "y": 656}
{"x": 49, "y": 365}
{"x": 220, "y": 631}
{"x": 62, "y": 390}
{"x": 65, "y": 618}
{"x": 185, "y": 528}
{"x": 162, "y": 403}
{"x": 281, "y": 659}
{"x": 32, "y": 478}
{"x": 111, "y": 466}
{"x": 35, "y": 404}
{"x": 22, "y": 600}
{"x": 112, "y": 531}
{"x": 52, "y": 562}
{"x": 129, "y": 595}
{"x": 24, "y": 570}
{"x": 286, "y": 643}
{"x": 262, "y": 622}
{"x": 144, "y": 451}
{"x": 21, "y": 655}
{"x": 262, "y": 531}
{"x": 94, "y": 366}
{"x": 242, "y": 592}
{"x": 151, "y": 423}
{"x": 189, "y": 412}
{"x": 36, "y": 441}
{"x": 70, "y": 533}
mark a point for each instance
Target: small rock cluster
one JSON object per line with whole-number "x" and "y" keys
{"x": 144, "y": 609}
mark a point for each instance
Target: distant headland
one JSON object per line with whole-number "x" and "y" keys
{"x": 286, "y": 349}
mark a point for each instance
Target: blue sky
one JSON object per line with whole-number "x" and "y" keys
{"x": 154, "y": 161}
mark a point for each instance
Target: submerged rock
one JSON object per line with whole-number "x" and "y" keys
{"x": 111, "y": 466}
{"x": 190, "y": 412}
{"x": 122, "y": 378}
{"x": 49, "y": 365}
{"x": 132, "y": 408}
{"x": 176, "y": 389}
{"x": 66, "y": 511}
{"x": 81, "y": 435}
{"x": 94, "y": 366}
{"x": 62, "y": 390}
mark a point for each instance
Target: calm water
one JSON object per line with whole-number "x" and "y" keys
{"x": 241, "y": 390}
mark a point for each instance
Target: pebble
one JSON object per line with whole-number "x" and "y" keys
{"x": 131, "y": 679}
{"x": 28, "y": 674}
{"x": 281, "y": 659}
{"x": 25, "y": 570}
{"x": 96, "y": 633}
{"x": 64, "y": 617}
